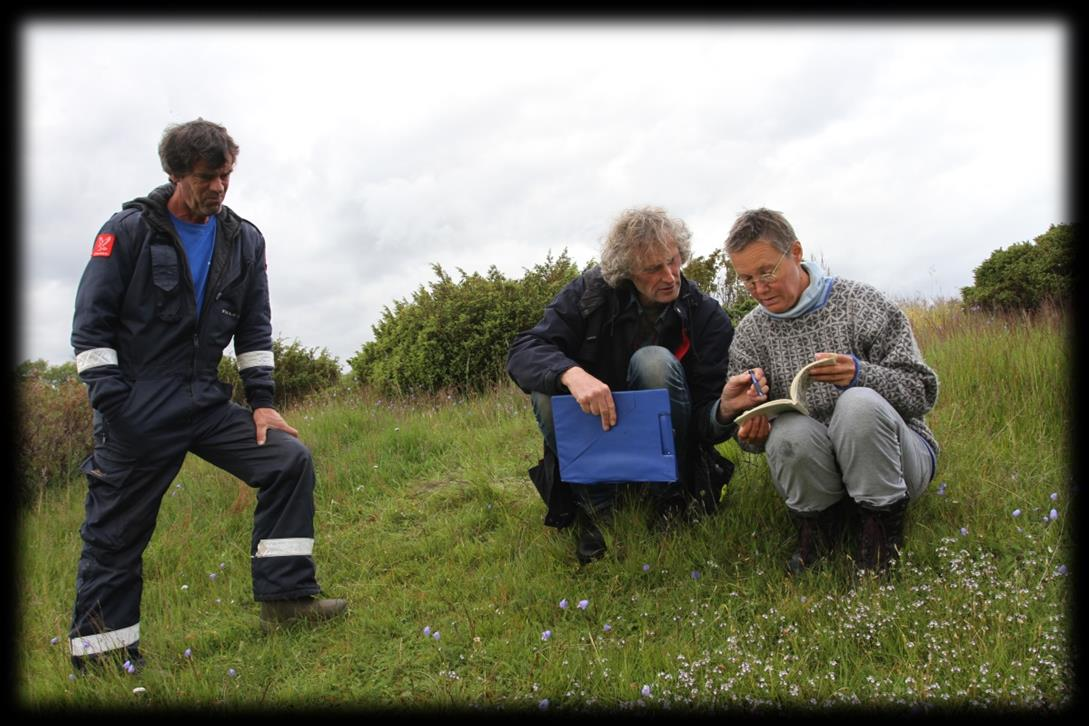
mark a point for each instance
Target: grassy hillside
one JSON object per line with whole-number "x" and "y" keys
{"x": 428, "y": 524}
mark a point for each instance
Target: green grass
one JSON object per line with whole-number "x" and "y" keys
{"x": 426, "y": 518}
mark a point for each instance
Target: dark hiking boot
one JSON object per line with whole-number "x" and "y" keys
{"x": 591, "y": 542}
{"x": 811, "y": 545}
{"x": 819, "y": 533}
{"x": 128, "y": 660}
{"x": 667, "y": 512}
{"x": 277, "y": 613}
{"x": 882, "y": 536}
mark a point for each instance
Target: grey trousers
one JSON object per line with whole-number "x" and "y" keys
{"x": 866, "y": 452}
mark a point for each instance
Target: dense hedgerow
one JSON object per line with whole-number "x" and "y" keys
{"x": 1026, "y": 274}
{"x": 715, "y": 275}
{"x": 54, "y": 427}
{"x": 455, "y": 335}
{"x": 300, "y": 372}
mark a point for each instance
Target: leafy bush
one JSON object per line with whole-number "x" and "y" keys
{"x": 1026, "y": 274}
{"x": 456, "y": 334}
{"x": 299, "y": 372}
{"x": 54, "y": 427}
{"x": 715, "y": 275}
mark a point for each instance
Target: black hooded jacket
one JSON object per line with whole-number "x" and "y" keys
{"x": 136, "y": 333}
{"x": 594, "y": 326}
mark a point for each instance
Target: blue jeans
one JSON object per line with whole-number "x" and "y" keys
{"x": 651, "y": 366}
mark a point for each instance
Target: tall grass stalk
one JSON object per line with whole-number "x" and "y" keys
{"x": 427, "y": 523}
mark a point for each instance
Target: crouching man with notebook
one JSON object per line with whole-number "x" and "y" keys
{"x": 634, "y": 322}
{"x": 858, "y": 448}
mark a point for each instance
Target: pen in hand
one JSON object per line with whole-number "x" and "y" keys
{"x": 756, "y": 384}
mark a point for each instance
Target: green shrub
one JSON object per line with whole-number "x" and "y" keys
{"x": 299, "y": 372}
{"x": 54, "y": 422}
{"x": 1026, "y": 274}
{"x": 455, "y": 335}
{"x": 715, "y": 276}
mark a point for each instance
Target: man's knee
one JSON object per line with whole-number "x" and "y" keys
{"x": 542, "y": 412}
{"x": 858, "y": 410}
{"x": 291, "y": 453}
{"x": 653, "y": 366}
{"x": 794, "y": 439}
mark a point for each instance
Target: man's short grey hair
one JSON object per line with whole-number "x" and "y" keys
{"x": 760, "y": 224}
{"x": 183, "y": 145}
{"x": 637, "y": 231}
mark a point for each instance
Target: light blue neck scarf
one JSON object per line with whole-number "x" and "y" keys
{"x": 813, "y": 297}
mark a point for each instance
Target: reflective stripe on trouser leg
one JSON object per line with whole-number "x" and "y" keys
{"x": 96, "y": 643}
{"x": 122, "y": 504}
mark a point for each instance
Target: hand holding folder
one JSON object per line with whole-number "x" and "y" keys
{"x": 638, "y": 448}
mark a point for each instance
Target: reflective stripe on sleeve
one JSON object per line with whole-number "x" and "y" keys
{"x": 95, "y": 357}
{"x": 285, "y": 547}
{"x": 255, "y": 358}
{"x": 102, "y": 642}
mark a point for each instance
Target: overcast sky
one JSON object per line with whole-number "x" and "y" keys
{"x": 902, "y": 153}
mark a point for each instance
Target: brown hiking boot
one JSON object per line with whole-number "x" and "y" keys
{"x": 811, "y": 544}
{"x": 590, "y": 543}
{"x": 882, "y": 536}
{"x": 277, "y": 613}
{"x": 819, "y": 533}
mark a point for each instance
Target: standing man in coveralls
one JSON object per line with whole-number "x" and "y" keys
{"x": 172, "y": 278}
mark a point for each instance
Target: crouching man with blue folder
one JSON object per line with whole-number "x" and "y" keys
{"x": 632, "y": 323}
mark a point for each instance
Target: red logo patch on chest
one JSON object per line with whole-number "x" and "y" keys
{"x": 103, "y": 245}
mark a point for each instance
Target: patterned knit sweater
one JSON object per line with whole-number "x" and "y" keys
{"x": 856, "y": 319}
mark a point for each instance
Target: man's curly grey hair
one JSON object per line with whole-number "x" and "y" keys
{"x": 637, "y": 231}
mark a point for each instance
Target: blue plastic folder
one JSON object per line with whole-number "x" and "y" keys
{"x": 639, "y": 448}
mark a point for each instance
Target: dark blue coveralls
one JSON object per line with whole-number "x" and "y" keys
{"x": 150, "y": 365}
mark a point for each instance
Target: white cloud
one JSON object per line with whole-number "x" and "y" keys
{"x": 903, "y": 155}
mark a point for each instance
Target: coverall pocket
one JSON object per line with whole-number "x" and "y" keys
{"x": 165, "y": 274}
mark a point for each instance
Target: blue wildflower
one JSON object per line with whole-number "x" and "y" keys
{"x": 1053, "y": 515}
{"x": 563, "y": 604}
{"x": 963, "y": 531}
{"x": 1054, "y": 496}
{"x": 188, "y": 653}
{"x": 1017, "y": 512}
{"x": 941, "y": 489}
{"x": 607, "y": 627}
{"x": 128, "y": 666}
{"x": 695, "y": 574}
{"x": 436, "y": 635}
{"x": 543, "y": 705}
{"x": 427, "y": 630}
{"x": 583, "y": 604}
{"x": 646, "y": 691}
{"x": 1061, "y": 570}
{"x": 646, "y": 568}
{"x": 54, "y": 641}
{"x": 232, "y": 672}
{"x": 546, "y": 635}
